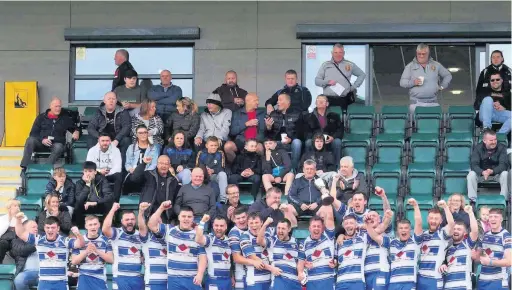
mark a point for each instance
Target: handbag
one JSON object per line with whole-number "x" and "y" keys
{"x": 276, "y": 171}
{"x": 351, "y": 95}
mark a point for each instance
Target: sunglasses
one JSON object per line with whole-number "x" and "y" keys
{"x": 495, "y": 80}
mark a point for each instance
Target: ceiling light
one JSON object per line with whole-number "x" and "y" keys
{"x": 453, "y": 69}
{"x": 456, "y": 92}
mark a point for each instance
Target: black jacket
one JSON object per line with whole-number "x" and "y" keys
{"x": 289, "y": 123}
{"x": 64, "y": 222}
{"x": 57, "y": 128}
{"x": 122, "y": 122}
{"x": 246, "y": 160}
{"x": 222, "y": 210}
{"x": 260, "y": 206}
{"x": 68, "y": 194}
{"x": 496, "y": 96}
{"x": 279, "y": 158}
{"x": 324, "y": 160}
{"x": 334, "y": 126}
{"x": 99, "y": 191}
{"x": 120, "y": 73}
{"x": 460, "y": 216}
{"x": 188, "y": 123}
{"x": 485, "y": 76}
{"x": 481, "y": 160}
{"x": 228, "y": 94}
{"x": 20, "y": 250}
{"x": 300, "y": 97}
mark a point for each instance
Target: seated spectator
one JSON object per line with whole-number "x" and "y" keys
{"x": 456, "y": 204}
{"x": 276, "y": 166}
{"x": 52, "y": 209}
{"x": 197, "y": 195}
{"x": 271, "y": 206}
{"x": 246, "y": 123}
{"x": 285, "y": 126}
{"x": 300, "y": 96}
{"x": 108, "y": 162}
{"x": 26, "y": 258}
{"x": 227, "y": 210}
{"x": 93, "y": 195}
{"x": 158, "y": 185}
{"x": 147, "y": 117}
{"x": 328, "y": 124}
{"x": 494, "y": 104}
{"x": 247, "y": 167}
{"x": 64, "y": 187}
{"x": 325, "y": 166}
{"x": 215, "y": 121}
{"x": 186, "y": 119}
{"x": 231, "y": 95}
{"x": 130, "y": 94}
{"x": 165, "y": 95}
{"x": 488, "y": 163}
{"x": 350, "y": 180}
{"x": 111, "y": 118}
{"x": 122, "y": 60}
{"x": 48, "y": 133}
{"x": 7, "y": 223}
{"x": 497, "y": 66}
{"x": 213, "y": 159}
{"x": 181, "y": 156}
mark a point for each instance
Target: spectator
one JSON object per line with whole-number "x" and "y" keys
{"x": 121, "y": 59}
{"x": 131, "y": 95}
{"x": 325, "y": 166}
{"x": 213, "y": 159}
{"x": 497, "y": 66}
{"x": 27, "y": 260}
{"x": 52, "y": 209}
{"x": 93, "y": 194}
{"x": 197, "y": 195}
{"x": 165, "y": 95}
{"x": 336, "y": 74}
{"x": 231, "y": 95}
{"x": 425, "y": 78}
{"x": 285, "y": 124}
{"x": 456, "y": 204}
{"x": 484, "y": 224}
{"x": 350, "y": 180}
{"x": 247, "y": 167}
{"x": 494, "y": 104}
{"x": 186, "y": 119}
{"x": 181, "y": 156}
{"x": 145, "y": 85}
{"x": 109, "y": 162}
{"x": 328, "y": 124}
{"x": 64, "y": 187}
{"x": 153, "y": 123}
{"x": 215, "y": 121}
{"x": 7, "y": 224}
{"x": 488, "y": 163}
{"x": 276, "y": 166}
{"x": 158, "y": 185}
{"x": 48, "y": 133}
{"x": 112, "y": 119}
{"x": 271, "y": 206}
{"x": 227, "y": 210}
{"x": 300, "y": 97}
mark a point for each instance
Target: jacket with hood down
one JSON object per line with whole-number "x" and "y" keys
{"x": 20, "y": 251}
{"x": 279, "y": 157}
{"x": 217, "y": 124}
{"x": 155, "y": 128}
{"x": 238, "y": 120}
{"x": 188, "y": 123}
{"x": 110, "y": 159}
{"x": 333, "y": 128}
{"x": 300, "y": 97}
{"x": 44, "y": 126}
{"x": 304, "y": 191}
{"x": 247, "y": 160}
{"x": 228, "y": 94}
{"x": 99, "y": 191}
{"x": 347, "y": 193}
{"x": 67, "y": 197}
{"x": 165, "y": 98}
{"x": 122, "y": 122}
{"x": 323, "y": 158}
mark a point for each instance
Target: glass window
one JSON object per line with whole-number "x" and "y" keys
{"x": 506, "y": 48}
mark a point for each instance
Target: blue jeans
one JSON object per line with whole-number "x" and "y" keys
{"x": 26, "y": 279}
{"x": 296, "y": 148}
{"x": 185, "y": 176}
{"x": 488, "y": 114}
{"x": 334, "y": 147}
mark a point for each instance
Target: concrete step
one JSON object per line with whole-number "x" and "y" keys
{"x": 10, "y": 181}
{"x": 11, "y": 151}
{"x": 9, "y": 171}
{"x": 10, "y": 161}
{"x": 7, "y": 192}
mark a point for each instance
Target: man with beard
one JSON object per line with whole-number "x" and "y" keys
{"x": 126, "y": 245}
{"x": 231, "y": 95}
{"x": 218, "y": 252}
{"x": 285, "y": 254}
{"x": 92, "y": 257}
{"x": 155, "y": 253}
{"x": 458, "y": 264}
{"x": 186, "y": 259}
{"x": 433, "y": 248}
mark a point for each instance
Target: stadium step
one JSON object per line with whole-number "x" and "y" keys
{"x": 11, "y": 151}
{"x": 10, "y": 180}
{"x": 10, "y": 161}
{"x": 9, "y": 171}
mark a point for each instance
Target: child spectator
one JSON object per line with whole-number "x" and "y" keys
{"x": 325, "y": 163}
{"x": 247, "y": 167}
{"x": 276, "y": 166}
{"x": 181, "y": 156}
{"x": 483, "y": 222}
{"x": 215, "y": 162}
{"x": 64, "y": 188}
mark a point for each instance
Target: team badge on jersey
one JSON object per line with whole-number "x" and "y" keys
{"x": 425, "y": 250}
{"x": 401, "y": 256}
{"x": 489, "y": 252}
{"x": 288, "y": 256}
{"x": 163, "y": 252}
{"x": 183, "y": 249}
{"x": 348, "y": 255}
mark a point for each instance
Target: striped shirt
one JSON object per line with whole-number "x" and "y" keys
{"x": 127, "y": 256}
{"x": 249, "y": 247}
{"x": 219, "y": 256}
{"x": 53, "y": 256}
{"x": 319, "y": 252}
{"x": 351, "y": 255}
{"x": 376, "y": 259}
{"x": 155, "y": 259}
{"x": 93, "y": 265}
{"x": 404, "y": 258}
{"x": 182, "y": 251}
{"x": 494, "y": 246}
{"x": 234, "y": 243}
{"x": 459, "y": 261}
{"x": 344, "y": 211}
{"x": 284, "y": 256}
{"x": 433, "y": 252}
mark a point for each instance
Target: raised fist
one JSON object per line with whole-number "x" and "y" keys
{"x": 166, "y": 204}
{"x": 441, "y": 204}
{"x": 269, "y": 221}
{"x": 379, "y": 191}
{"x": 468, "y": 208}
{"x": 206, "y": 218}
{"x": 75, "y": 230}
{"x": 144, "y": 205}
{"x": 412, "y": 202}
{"x": 388, "y": 213}
{"x": 20, "y": 215}
{"x": 116, "y": 206}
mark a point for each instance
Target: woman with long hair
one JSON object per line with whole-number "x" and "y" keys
{"x": 148, "y": 117}
{"x": 181, "y": 156}
{"x": 52, "y": 208}
{"x": 186, "y": 118}
{"x": 456, "y": 204}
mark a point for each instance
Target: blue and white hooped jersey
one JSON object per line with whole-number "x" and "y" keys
{"x": 234, "y": 243}
{"x": 285, "y": 255}
{"x": 351, "y": 255}
{"x": 320, "y": 252}
{"x": 182, "y": 251}
{"x": 344, "y": 211}
{"x": 249, "y": 247}
{"x": 219, "y": 257}
{"x": 494, "y": 246}
{"x": 458, "y": 257}
{"x": 377, "y": 257}
{"x": 433, "y": 252}
{"x": 127, "y": 253}
{"x": 154, "y": 249}
{"x": 93, "y": 265}
{"x": 404, "y": 258}
{"x": 53, "y": 256}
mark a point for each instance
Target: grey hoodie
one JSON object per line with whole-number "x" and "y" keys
{"x": 215, "y": 124}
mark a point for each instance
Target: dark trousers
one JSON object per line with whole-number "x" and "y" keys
{"x": 123, "y": 146}
{"x": 34, "y": 144}
{"x": 341, "y": 102}
{"x": 117, "y": 180}
{"x": 80, "y": 212}
{"x": 5, "y": 243}
{"x": 255, "y": 179}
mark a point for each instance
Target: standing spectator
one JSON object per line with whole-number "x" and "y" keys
{"x": 165, "y": 95}
{"x": 325, "y": 164}
{"x": 186, "y": 119}
{"x": 215, "y": 121}
{"x": 108, "y": 161}
{"x": 497, "y": 66}
{"x": 425, "y": 78}
{"x": 247, "y": 167}
{"x": 181, "y": 156}
{"x": 488, "y": 162}
{"x": 276, "y": 166}
{"x": 122, "y": 60}
{"x": 7, "y": 223}
{"x": 299, "y": 95}
{"x": 130, "y": 94}
{"x": 48, "y": 133}
{"x": 52, "y": 209}
{"x": 338, "y": 72}
{"x": 27, "y": 259}
{"x": 227, "y": 210}
{"x": 64, "y": 187}
{"x": 153, "y": 123}
{"x": 494, "y": 104}
{"x": 196, "y": 195}
{"x": 231, "y": 95}
{"x": 351, "y": 181}
{"x": 328, "y": 124}
{"x": 213, "y": 159}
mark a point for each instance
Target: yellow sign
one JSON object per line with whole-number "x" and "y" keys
{"x": 21, "y": 109}
{"x": 80, "y": 53}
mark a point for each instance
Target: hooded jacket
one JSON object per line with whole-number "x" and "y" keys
{"x": 110, "y": 159}
{"x": 347, "y": 193}
{"x": 485, "y": 76}
{"x": 44, "y": 126}
{"x": 481, "y": 160}
{"x": 99, "y": 191}
{"x": 215, "y": 161}
{"x": 217, "y": 124}
{"x": 165, "y": 98}
{"x": 289, "y": 123}
{"x": 20, "y": 251}
{"x": 120, "y": 73}
{"x": 122, "y": 122}
{"x": 228, "y": 94}
{"x": 300, "y": 97}
{"x": 435, "y": 75}
{"x": 238, "y": 127}
{"x": 155, "y": 128}
{"x": 333, "y": 128}
{"x": 323, "y": 158}
{"x": 279, "y": 157}
{"x": 67, "y": 196}
{"x": 188, "y": 123}
{"x": 304, "y": 191}
{"x": 247, "y": 160}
